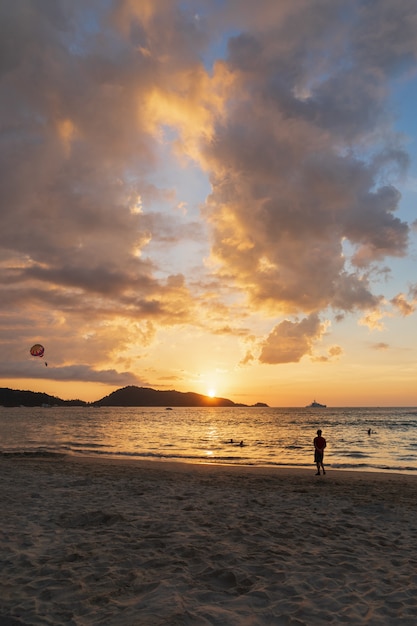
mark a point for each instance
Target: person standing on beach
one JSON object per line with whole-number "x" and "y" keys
{"x": 319, "y": 445}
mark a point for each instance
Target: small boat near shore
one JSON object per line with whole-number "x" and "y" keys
{"x": 316, "y": 405}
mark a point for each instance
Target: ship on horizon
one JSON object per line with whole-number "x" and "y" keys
{"x": 316, "y": 405}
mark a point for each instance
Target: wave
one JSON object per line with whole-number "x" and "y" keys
{"x": 373, "y": 467}
{"x": 80, "y": 444}
{"x": 32, "y": 454}
{"x": 228, "y": 460}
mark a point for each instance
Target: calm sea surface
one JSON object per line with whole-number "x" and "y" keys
{"x": 271, "y": 436}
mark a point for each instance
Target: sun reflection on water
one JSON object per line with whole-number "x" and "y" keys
{"x": 270, "y": 436}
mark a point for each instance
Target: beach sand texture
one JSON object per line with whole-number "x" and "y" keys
{"x": 133, "y": 543}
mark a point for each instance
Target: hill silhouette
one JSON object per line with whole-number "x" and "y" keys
{"x": 15, "y": 397}
{"x": 145, "y": 396}
{"x": 127, "y": 396}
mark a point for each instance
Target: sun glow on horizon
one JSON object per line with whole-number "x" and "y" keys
{"x": 211, "y": 393}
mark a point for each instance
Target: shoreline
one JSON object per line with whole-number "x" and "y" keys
{"x": 182, "y": 465}
{"x": 127, "y": 459}
{"x": 89, "y": 540}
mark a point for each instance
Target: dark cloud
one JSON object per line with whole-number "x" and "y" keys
{"x": 381, "y": 345}
{"x": 303, "y": 156}
{"x": 70, "y": 373}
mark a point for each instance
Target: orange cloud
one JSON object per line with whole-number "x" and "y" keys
{"x": 290, "y": 341}
{"x": 403, "y": 306}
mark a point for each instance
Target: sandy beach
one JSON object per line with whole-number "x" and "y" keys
{"x": 87, "y": 541}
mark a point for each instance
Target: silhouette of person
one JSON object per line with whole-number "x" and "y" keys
{"x": 319, "y": 445}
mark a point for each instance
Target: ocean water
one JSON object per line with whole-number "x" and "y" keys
{"x": 271, "y": 436}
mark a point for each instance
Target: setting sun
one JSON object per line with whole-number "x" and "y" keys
{"x": 211, "y": 393}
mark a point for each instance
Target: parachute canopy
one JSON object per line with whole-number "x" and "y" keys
{"x": 37, "y": 350}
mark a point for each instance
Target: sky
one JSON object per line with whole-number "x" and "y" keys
{"x": 216, "y": 196}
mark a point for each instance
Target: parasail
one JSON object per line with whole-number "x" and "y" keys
{"x": 38, "y": 350}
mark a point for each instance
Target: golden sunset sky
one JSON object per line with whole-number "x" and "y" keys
{"x": 210, "y": 196}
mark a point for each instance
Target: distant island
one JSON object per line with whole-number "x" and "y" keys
{"x": 130, "y": 396}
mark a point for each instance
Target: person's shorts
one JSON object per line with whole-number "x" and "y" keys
{"x": 318, "y": 456}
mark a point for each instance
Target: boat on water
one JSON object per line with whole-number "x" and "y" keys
{"x": 316, "y": 405}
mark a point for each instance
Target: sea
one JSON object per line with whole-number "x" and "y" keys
{"x": 271, "y": 437}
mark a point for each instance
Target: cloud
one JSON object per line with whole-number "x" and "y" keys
{"x": 413, "y": 291}
{"x": 404, "y": 307}
{"x": 373, "y": 319}
{"x": 303, "y": 155}
{"x": 334, "y": 352}
{"x": 247, "y": 359}
{"x": 380, "y": 346}
{"x": 283, "y": 106}
{"x": 290, "y": 341}
{"x": 71, "y": 373}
